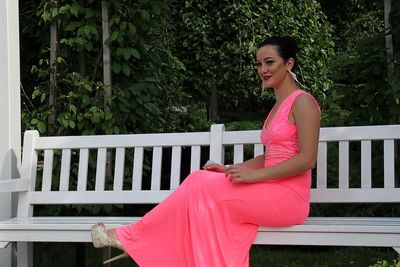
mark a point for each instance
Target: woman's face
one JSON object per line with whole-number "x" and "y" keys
{"x": 271, "y": 67}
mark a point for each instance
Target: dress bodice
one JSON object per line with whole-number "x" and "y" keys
{"x": 279, "y": 134}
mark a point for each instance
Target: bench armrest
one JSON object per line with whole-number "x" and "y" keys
{"x": 14, "y": 185}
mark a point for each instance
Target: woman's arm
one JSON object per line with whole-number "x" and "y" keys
{"x": 254, "y": 163}
{"x": 307, "y": 118}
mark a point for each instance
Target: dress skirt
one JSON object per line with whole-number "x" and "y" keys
{"x": 210, "y": 222}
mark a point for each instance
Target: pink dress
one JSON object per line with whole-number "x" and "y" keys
{"x": 210, "y": 222}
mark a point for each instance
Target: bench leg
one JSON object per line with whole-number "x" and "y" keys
{"x": 397, "y": 249}
{"x": 24, "y": 254}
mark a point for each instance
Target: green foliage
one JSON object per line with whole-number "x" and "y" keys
{"x": 385, "y": 263}
{"x": 353, "y": 20}
{"x": 361, "y": 93}
{"x": 141, "y": 65}
{"x": 219, "y": 41}
{"x": 361, "y": 75}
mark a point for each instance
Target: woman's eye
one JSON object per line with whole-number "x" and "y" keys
{"x": 269, "y": 62}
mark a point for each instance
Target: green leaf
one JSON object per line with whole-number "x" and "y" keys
{"x": 88, "y": 87}
{"x": 43, "y": 97}
{"x": 35, "y": 93}
{"x": 116, "y": 66}
{"x": 131, "y": 29}
{"x": 54, "y": 12}
{"x": 89, "y": 14}
{"x": 126, "y": 53}
{"x": 126, "y": 69}
{"x": 46, "y": 16}
{"x": 135, "y": 53}
{"x": 80, "y": 41}
{"x": 74, "y": 9}
{"x": 109, "y": 115}
{"x": 145, "y": 15}
{"x": 155, "y": 8}
{"x": 114, "y": 36}
{"x": 64, "y": 9}
{"x": 94, "y": 109}
{"x": 71, "y": 26}
{"x": 73, "y": 108}
{"x": 72, "y": 124}
{"x": 41, "y": 127}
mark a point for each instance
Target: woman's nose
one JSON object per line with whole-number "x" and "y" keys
{"x": 263, "y": 68}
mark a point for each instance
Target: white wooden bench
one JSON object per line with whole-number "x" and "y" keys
{"x": 40, "y": 184}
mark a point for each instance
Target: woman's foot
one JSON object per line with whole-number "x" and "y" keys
{"x": 101, "y": 238}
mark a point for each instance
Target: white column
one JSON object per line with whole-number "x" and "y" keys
{"x": 10, "y": 119}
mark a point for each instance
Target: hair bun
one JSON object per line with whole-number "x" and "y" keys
{"x": 287, "y": 46}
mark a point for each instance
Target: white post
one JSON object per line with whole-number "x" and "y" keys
{"x": 10, "y": 119}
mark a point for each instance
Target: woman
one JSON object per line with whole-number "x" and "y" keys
{"x": 213, "y": 217}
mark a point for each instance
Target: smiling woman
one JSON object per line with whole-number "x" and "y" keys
{"x": 276, "y": 57}
{"x": 211, "y": 219}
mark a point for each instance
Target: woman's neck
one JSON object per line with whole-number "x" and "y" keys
{"x": 285, "y": 89}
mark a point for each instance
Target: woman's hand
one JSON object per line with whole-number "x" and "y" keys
{"x": 214, "y": 167}
{"x": 239, "y": 173}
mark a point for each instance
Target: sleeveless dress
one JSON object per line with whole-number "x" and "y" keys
{"x": 210, "y": 222}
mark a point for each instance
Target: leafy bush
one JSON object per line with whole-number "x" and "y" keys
{"x": 384, "y": 263}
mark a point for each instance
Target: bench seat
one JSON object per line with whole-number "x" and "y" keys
{"x": 332, "y": 231}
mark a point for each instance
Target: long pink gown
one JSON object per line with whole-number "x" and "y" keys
{"x": 210, "y": 222}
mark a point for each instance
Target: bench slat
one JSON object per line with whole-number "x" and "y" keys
{"x": 258, "y": 149}
{"x": 156, "y": 168}
{"x": 331, "y": 195}
{"x": 99, "y": 197}
{"x": 238, "y": 154}
{"x": 343, "y": 164}
{"x": 355, "y": 195}
{"x": 176, "y": 167}
{"x": 357, "y": 133}
{"x": 195, "y": 157}
{"x": 241, "y": 137}
{"x": 137, "y": 169}
{"x": 47, "y": 170}
{"x": 366, "y": 161}
{"x": 331, "y": 224}
{"x": 327, "y": 238}
{"x": 83, "y": 169}
{"x": 119, "y": 169}
{"x": 132, "y": 140}
{"x": 216, "y": 143}
{"x": 388, "y": 151}
{"x": 15, "y": 185}
{"x": 101, "y": 169}
{"x": 65, "y": 169}
{"x": 322, "y": 166}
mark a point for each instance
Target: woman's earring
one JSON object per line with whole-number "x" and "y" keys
{"x": 295, "y": 77}
{"x": 262, "y": 89}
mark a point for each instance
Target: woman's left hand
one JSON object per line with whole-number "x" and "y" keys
{"x": 239, "y": 173}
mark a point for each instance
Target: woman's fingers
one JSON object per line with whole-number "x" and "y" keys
{"x": 214, "y": 167}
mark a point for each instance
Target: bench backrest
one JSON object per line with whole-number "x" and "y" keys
{"x": 355, "y": 164}
{"x": 54, "y": 163}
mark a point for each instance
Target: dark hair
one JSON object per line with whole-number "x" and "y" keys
{"x": 287, "y": 47}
